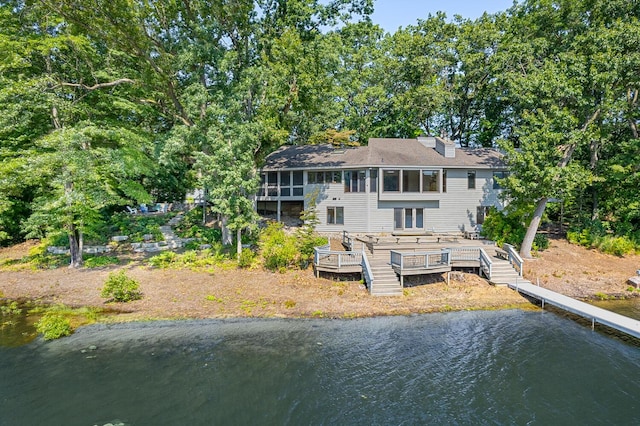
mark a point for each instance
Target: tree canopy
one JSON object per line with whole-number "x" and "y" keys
{"x": 109, "y": 103}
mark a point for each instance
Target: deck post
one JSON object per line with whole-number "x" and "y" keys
{"x": 593, "y": 324}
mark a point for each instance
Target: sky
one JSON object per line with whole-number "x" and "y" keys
{"x": 391, "y": 14}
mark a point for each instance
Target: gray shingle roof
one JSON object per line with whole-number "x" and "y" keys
{"x": 380, "y": 153}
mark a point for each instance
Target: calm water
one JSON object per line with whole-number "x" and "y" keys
{"x": 507, "y": 367}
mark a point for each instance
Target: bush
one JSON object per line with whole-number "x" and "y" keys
{"x": 246, "y": 258}
{"x": 53, "y": 326}
{"x": 618, "y": 246}
{"x": 98, "y": 261}
{"x": 279, "y": 250}
{"x": 540, "y": 242}
{"x": 121, "y": 288}
{"x": 504, "y": 227}
{"x": 163, "y": 260}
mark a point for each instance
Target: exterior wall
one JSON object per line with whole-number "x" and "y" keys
{"x": 373, "y": 212}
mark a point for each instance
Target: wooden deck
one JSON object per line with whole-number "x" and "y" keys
{"x": 595, "y": 314}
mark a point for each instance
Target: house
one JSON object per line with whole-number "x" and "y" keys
{"x": 391, "y": 186}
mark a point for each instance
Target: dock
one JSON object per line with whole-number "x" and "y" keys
{"x": 618, "y": 322}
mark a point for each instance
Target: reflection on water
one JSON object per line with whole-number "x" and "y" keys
{"x": 508, "y": 367}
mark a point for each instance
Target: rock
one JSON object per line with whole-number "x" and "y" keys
{"x": 118, "y": 238}
{"x": 93, "y": 347}
{"x": 634, "y": 281}
{"x": 147, "y": 237}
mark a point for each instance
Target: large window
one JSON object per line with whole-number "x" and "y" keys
{"x": 335, "y": 215}
{"x": 391, "y": 181}
{"x": 471, "y": 179}
{"x": 430, "y": 181}
{"x": 355, "y": 181}
{"x": 408, "y": 218}
{"x": 324, "y": 177}
{"x": 410, "y": 181}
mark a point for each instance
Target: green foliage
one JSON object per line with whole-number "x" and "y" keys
{"x": 217, "y": 256}
{"x": 504, "y": 227}
{"x": 278, "y": 249}
{"x": 507, "y": 227}
{"x": 12, "y": 308}
{"x": 191, "y": 227}
{"x": 121, "y": 288}
{"x": 247, "y": 257}
{"x": 53, "y": 325}
{"x": 136, "y": 226}
{"x": 605, "y": 242}
{"x": 99, "y": 261}
{"x": 163, "y": 260}
{"x": 306, "y": 235}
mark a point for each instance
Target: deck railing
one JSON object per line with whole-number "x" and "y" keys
{"x": 485, "y": 263}
{"x": 465, "y": 254}
{"x": 347, "y": 240}
{"x": 514, "y": 258}
{"x": 336, "y": 259}
{"x": 424, "y": 260}
{"x": 366, "y": 271}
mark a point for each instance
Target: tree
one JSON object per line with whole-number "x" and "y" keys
{"x": 565, "y": 80}
{"x": 71, "y": 147}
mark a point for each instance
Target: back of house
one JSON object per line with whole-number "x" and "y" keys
{"x": 390, "y": 186}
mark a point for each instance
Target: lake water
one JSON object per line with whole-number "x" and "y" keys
{"x": 503, "y": 367}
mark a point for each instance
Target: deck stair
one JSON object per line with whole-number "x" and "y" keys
{"x": 385, "y": 281}
{"x": 504, "y": 274}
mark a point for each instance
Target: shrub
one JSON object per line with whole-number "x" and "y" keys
{"x": 121, "y": 288}
{"x": 618, "y": 246}
{"x": 540, "y": 242}
{"x": 98, "y": 261}
{"x": 504, "y": 227}
{"x": 163, "y": 260}
{"x": 278, "y": 249}
{"x": 246, "y": 258}
{"x": 53, "y": 326}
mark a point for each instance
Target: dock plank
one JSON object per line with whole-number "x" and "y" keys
{"x": 602, "y": 316}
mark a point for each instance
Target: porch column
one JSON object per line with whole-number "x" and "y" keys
{"x": 278, "y": 213}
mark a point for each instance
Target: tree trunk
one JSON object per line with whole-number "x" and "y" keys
{"x": 227, "y": 240}
{"x": 75, "y": 247}
{"x": 527, "y": 243}
{"x": 239, "y": 242}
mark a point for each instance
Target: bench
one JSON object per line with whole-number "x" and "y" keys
{"x": 502, "y": 254}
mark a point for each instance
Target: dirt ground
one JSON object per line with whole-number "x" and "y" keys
{"x": 173, "y": 293}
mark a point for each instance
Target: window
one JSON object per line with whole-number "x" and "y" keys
{"x": 408, "y": 218}
{"x": 373, "y": 180}
{"x": 410, "y": 181}
{"x": 285, "y": 184}
{"x": 298, "y": 182}
{"x": 430, "y": 181}
{"x": 263, "y": 180}
{"x": 481, "y": 214}
{"x": 324, "y": 177}
{"x": 335, "y": 215}
{"x": 444, "y": 181}
{"x": 355, "y": 181}
{"x": 471, "y": 179}
{"x": 397, "y": 218}
{"x": 498, "y": 175}
{"x": 391, "y": 181}
{"x": 272, "y": 184}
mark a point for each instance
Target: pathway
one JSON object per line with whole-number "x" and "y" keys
{"x": 595, "y": 314}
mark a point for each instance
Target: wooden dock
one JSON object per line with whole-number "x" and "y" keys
{"x": 596, "y": 315}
